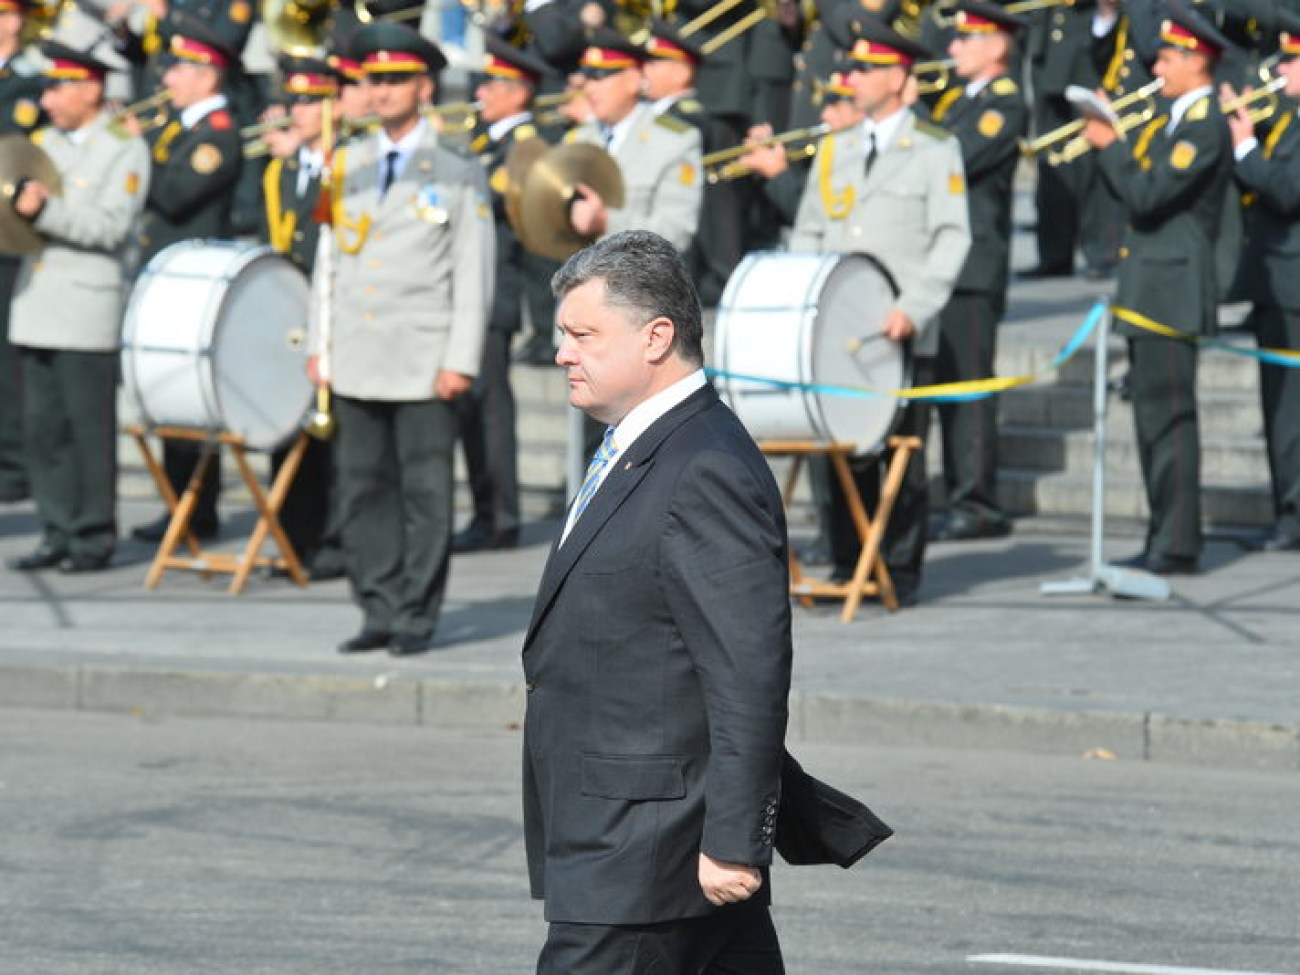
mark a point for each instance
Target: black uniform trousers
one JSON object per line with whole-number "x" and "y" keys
{"x": 1162, "y": 382}
{"x": 736, "y": 940}
{"x": 179, "y": 460}
{"x": 395, "y": 493}
{"x": 13, "y": 465}
{"x": 487, "y": 431}
{"x": 310, "y": 514}
{"x": 967, "y": 347}
{"x": 70, "y": 425}
{"x": 1075, "y": 206}
{"x": 905, "y": 536}
{"x": 1279, "y": 328}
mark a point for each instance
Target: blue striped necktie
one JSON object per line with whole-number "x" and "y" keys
{"x": 603, "y": 455}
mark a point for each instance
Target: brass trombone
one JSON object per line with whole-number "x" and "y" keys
{"x": 725, "y": 164}
{"x": 1032, "y": 147}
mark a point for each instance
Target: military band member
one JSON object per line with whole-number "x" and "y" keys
{"x": 1068, "y": 218}
{"x": 291, "y": 186}
{"x": 415, "y": 250}
{"x": 66, "y": 310}
{"x": 895, "y": 189}
{"x": 659, "y": 156}
{"x": 1270, "y": 171}
{"x": 511, "y": 78}
{"x": 670, "y": 68}
{"x": 988, "y": 116}
{"x": 197, "y": 158}
{"x": 20, "y": 111}
{"x": 1172, "y": 178}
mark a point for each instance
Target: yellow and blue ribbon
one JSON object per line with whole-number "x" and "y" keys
{"x": 962, "y": 392}
{"x": 1288, "y": 358}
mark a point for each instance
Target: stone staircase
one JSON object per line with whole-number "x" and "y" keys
{"x": 1046, "y": 441}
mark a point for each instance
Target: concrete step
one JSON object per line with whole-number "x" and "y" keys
{"x": 1070, "y": 408}
{"x": 1233, "y": 460}
{"x": 1216, "y": 371}
{"x": 1070, "y": 493}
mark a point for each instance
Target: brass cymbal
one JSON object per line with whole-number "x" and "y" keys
{"x": 520, "y": 159}
{"x": 22, "y": 160}
{"x": 550, "y": 187}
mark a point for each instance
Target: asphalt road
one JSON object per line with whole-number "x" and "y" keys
{"x": 143, "y": 846}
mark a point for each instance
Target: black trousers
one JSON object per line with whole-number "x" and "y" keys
{"x": 13, "y": 463}
{"x": 395, "y": 493}
{"x": 487, "y": 431}
{"x": 736, "y": 940}
{"x": 179, "y": 461}
{"x": 1279, "y": 328}
{"x": 1162, "y": 381}
{"x": 310, "y": 514}
{"x": 1075, "y": 206}
{"x": 70, "y": 421}
{"x": 968, "y": 328}
{"x": 905, "y": 537}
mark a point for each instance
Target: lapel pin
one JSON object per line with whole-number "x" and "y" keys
{"x": 627, "y": 466}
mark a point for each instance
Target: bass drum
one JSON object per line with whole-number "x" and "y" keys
{"x": 810, "y": 320}
{"x": 215, "y": 339}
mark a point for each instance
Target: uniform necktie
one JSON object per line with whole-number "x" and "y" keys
{"x": 390, "y": 171}
{"x": 606, "y": 136}
{"x": 603, "y": 455}
{"x": 871, "y": 153}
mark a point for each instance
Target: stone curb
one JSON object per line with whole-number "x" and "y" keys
{"x": 460, "y": 704}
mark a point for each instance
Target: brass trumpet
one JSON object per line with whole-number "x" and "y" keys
{"x": 1266, "y": 96}
{"x": 724, "y": 164}
{"x": 941, "y": 70}
{"x": 158, "y": 100}
{"x": 1032, "y": 147}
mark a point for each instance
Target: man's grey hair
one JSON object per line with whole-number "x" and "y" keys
{"x": 644, "y": 276}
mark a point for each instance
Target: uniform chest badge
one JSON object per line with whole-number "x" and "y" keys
{"x": 990, "y": 123}
{"x": 429, "y": 205}
{"x": 956, "y": 184}
{"x": 1183, "y": 155}
{"x": 26, "y": 113}
{"x": 205, "y": 159}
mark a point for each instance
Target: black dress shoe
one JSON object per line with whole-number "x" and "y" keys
{"x": 962, "y": 525}
{"x": 479, "y": 537}
{"x": 1161, "y": 565}
{"x": 46, "y": 556}
{"x": 11, "y": 493}
{"x": 537, "y": 351}
{"x": 1279, "y": 541}
{"x": 408, "y": 644}
{"x": 81, "y": 562}
{"x": 328, "y": 563}
{"x": 154, "y": 531}
{"x": 365, "y": 641}
{"x": 1046, "y": 271}
{"x": 816, "y": 552}
{"x": 1099, "y": 272}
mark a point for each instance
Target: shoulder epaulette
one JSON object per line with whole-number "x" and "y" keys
{"x": 691, "y": 106}
{"x": 1005, "y": 86}
{"x": 525, "y": 132}
{"x": 1200, "y": 109}
{"x": 932, "y": 130}
{"x": 571, "y": 136}
{"x": 38, "y": 137}
{"x": 673, "y": 124}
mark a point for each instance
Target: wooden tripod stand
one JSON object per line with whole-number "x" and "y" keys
{"x": 870, "y": 575}
{"x": 268, "y": 507}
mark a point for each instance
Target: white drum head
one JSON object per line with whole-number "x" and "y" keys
{"x": 809, "y": 320}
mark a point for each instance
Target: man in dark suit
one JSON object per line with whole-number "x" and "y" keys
{"x": 658, "y": 657}
{"x": 1172, "y": 177}
{"x": 1269, "y": 169}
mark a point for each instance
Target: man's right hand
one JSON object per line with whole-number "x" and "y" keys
{"x": 767, "y": 161}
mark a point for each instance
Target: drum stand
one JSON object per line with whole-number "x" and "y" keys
{"x": 182, "y": 509}
{"x": 870, "y": 576}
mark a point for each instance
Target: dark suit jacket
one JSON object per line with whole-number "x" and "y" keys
{"x": 658, "y": 666}
{"x": 1272, "y": 261}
